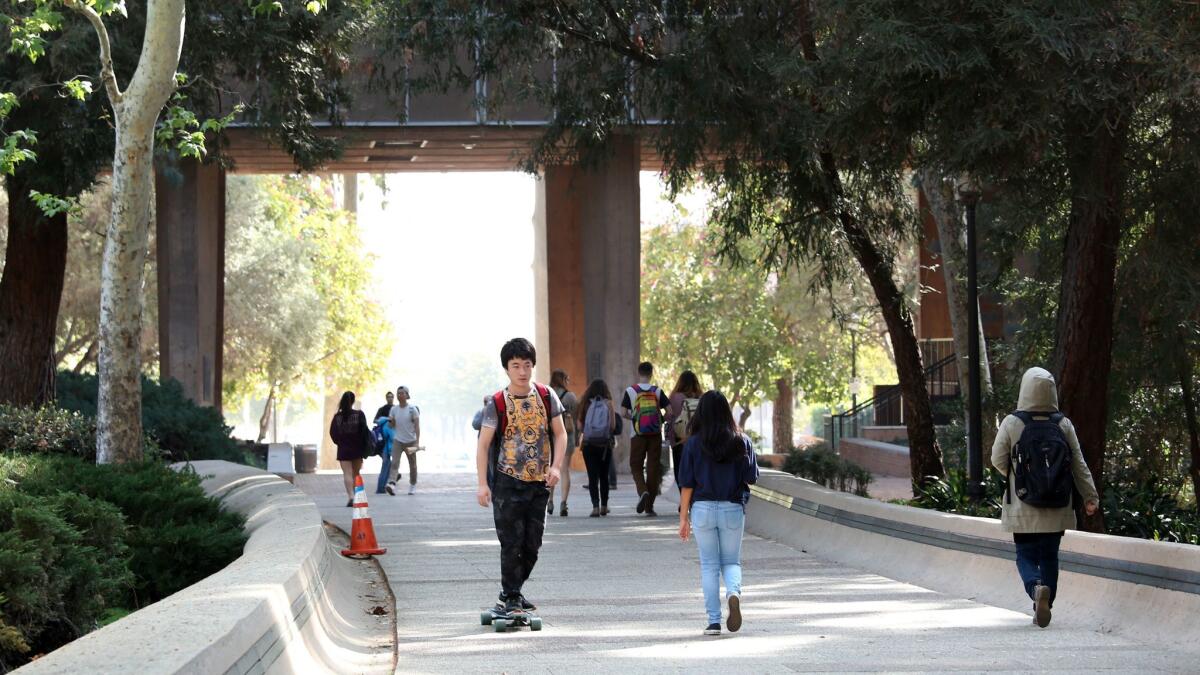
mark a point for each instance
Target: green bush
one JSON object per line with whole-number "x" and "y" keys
{"x": 949, "y": 495}
{"x": 184, "y": 430}
{"x": 820, "y": 465}
{"x": 47, "y": 430}
{"x": 80, "y": 543}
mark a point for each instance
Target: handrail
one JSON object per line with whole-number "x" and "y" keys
{"x": 887, "y": 396}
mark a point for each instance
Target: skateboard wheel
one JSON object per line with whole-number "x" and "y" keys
{"x": 485, "y": 618}
{"x": 500, "y": 625}
{"x": 535, "y": 624}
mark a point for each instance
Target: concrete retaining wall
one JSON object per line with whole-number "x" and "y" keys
{"x": 881, "y": 459}
{"x": 885, "y": 434}
{"x": 1144, "y": 589}
{"x": 289, "y": 604}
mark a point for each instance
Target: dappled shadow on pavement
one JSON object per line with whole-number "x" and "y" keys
{"x": 622, "y": 594}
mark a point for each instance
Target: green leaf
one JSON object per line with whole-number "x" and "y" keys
{"x": 78, "y": 89}
{"x": 52, "y": 205}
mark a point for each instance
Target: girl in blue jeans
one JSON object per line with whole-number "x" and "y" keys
{"x": 715, "y": 474}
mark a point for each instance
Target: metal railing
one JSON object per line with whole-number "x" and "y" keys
{"x": 886, "y": 408}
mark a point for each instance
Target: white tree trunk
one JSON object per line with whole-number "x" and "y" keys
{"x": 948, "y": 219}
{"x": 119, "y": 405}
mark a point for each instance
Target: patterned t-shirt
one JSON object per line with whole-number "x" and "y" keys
{"x": 525, "y": 449}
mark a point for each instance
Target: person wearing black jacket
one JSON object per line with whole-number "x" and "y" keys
{"x": 349, "y": 432}
{"x": 385, "y": 409}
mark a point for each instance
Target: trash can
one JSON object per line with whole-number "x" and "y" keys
{"x": 306, "y": 458}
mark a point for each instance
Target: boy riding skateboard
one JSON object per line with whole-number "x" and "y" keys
{"x": 515, "y": 466}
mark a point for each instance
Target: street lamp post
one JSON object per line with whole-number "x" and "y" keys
{"x": 969, "y": 194}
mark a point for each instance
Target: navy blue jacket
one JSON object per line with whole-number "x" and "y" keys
{"x": 713, "y": 482}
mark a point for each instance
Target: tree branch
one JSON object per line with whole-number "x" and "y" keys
{"x": 106, "y": 64}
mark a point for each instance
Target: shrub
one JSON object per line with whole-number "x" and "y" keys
{"x": 81, "y": 543}
{"x": 47, "y": 430}
{"x": 949, "y": 495}
{"x": 820, "y": 465}
{"x": 184, "y": 430}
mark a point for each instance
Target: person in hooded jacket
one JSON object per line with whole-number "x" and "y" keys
{"x": 1037, "y": 532}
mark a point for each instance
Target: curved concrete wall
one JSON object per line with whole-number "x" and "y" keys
{"x": 289, "y": 604}
{"x": 1145, "y": 589}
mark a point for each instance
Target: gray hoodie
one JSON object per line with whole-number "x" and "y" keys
{"x": 1039, "y": 394}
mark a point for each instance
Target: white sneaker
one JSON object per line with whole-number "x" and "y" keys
{"x": 412, "y": 489}
{"x": 391, "y": 488}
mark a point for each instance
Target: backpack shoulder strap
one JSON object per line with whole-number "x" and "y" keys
{"x": 544, "y": 393}
{"x": 1023, "y": 415}
{"x": 498, "y": 399}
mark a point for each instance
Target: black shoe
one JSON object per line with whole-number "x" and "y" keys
{"x": 349, "y": 502}
{"x": 713, "y": 629}
{"x": 562, "y": 509}
{"x": 550, "y": 508}
{"x": 525, "y": 603}
{"x": 643, "y": 502}
{"x": 1041, "y": 605}
{"x": 734, "y": 622}
{"x": 595, "y": 512}
{"x": 604, "y": 510}
{"x": 651, "y": 513}
{"x": 512, "y": 604}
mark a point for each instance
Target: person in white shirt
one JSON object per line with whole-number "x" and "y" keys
{"x": 405, "y": 420}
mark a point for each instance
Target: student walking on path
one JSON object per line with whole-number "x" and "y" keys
{"x": 405, "y": 421}
{"x": 716, "y": 472}
{"x": 522, "y": 430}
{"x": 559, "y": 382}
{"x": 598, "y": 421}
{"x": 1038, "y": 452}
{"x": 684, "y": 398}
{"x": 349, "y": 432}
{"x": 644, "y": 404}
{"x": 385, "y": 410}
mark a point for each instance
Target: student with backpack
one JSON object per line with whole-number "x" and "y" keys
{"x": 716, "y": 472}
{"x": 519, "y": 457}
{"x": 643, "y": 405}
{"x": 684, "y": 398}
{"x": 1037, "y": 450}
{"x": 598, "y": 422}
{"x": 558, "y": 382}
{"x": 350, "y": 434}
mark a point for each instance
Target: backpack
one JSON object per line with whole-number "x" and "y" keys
{"x": 499, "y": 400}
{"x": 596, "y": 428}
{"x": 377, "y": 435}
{"x": 684, "y": 420}
{"x": 568, "y": 417}
{"x": 647, "y": 417}
{"x": 1041, "y": 462}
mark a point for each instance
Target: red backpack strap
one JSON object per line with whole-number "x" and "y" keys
{"x": 498, "y": 399}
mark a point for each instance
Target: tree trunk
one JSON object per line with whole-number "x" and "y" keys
{"x": 30, "y": 291}
{"x": 119, "y": 403}
{"x": 745, "y": 415}
{"x": 782, "y": 424}
{"x": 925, "y": 456}
{"x": 327, "y": 459}
{"x": 1084, "y": 334}
{"x": 1193, "y": 426}
{"x": 89, "y": 356}
{"x": 948, "y": 220}
{"x": 265, "y": 420}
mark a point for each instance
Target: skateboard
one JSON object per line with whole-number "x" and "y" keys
{"x": 502, "y": 621}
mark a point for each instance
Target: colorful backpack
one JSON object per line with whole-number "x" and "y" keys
{"x": 647, "y": 416}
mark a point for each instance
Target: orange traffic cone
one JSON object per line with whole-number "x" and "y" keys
{"x": 362, "y": 534}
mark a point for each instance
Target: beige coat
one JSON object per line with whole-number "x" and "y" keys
{"x": 1038, "y": 394}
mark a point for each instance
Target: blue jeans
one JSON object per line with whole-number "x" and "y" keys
{"x": 718, "y": 528}
{"x": 1037, "y": 560}
{"x": 385, "y": 470}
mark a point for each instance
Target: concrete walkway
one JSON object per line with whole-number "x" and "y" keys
{"x": 621, "y": 594}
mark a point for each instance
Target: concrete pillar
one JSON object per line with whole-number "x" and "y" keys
{"x": 558, "y": 220}
{"x": 190, "y": 226}
{"x": 610, "y": 220}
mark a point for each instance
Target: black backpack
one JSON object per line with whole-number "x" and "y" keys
{"x": 1041, "y": 462}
